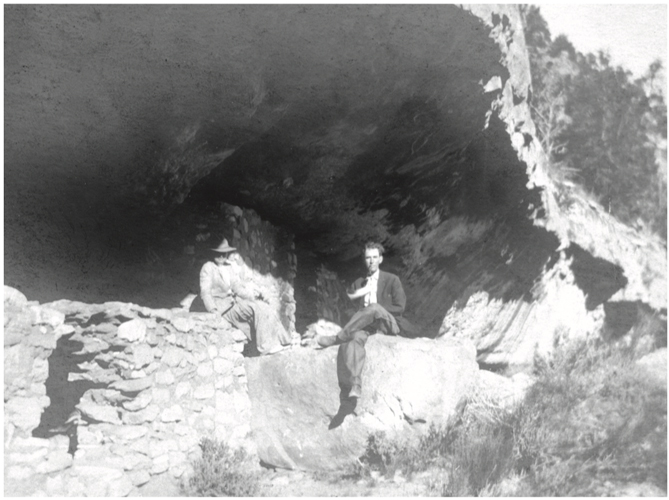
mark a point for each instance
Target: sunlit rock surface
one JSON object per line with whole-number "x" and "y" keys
{"x": 300, "y": 422}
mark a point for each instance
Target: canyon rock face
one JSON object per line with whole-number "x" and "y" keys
{"x": 337, "y": 124}
{"x": 138, "y": 136}
{"x": 301, "y": 421}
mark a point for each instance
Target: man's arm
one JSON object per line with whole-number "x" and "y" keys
{"x": 206, "y": 282}
{"x": 242, "y": 283}
{"x": 399, "y": 299}
{"x": 358, "y": 290}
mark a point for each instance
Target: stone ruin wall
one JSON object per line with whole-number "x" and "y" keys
{"x": 269, "y": 253}
{"x": 157, "y": 381}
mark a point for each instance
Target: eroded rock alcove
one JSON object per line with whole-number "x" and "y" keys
{"x": 129, "y": 129}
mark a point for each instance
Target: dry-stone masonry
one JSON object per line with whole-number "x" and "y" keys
{"x": 269, "y": 253}
{"x": 160, "y": 381}
{"x": 30, "y": 335}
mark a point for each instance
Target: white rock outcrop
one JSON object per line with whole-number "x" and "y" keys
{"x": 299, "y": 421}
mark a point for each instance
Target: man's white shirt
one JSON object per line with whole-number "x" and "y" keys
{"x": 373, "y": 283}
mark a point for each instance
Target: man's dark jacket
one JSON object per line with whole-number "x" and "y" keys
{"x": 389, "y": 293}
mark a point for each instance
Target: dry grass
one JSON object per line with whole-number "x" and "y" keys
{"x": 590, "y": 420}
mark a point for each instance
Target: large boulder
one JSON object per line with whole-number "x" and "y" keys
{"x": 299, "y": 422}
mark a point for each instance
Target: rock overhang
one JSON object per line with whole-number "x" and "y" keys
{"x": 287, "y": 103}
{"x": 407, "y": 124}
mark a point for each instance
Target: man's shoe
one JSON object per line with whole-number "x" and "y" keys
{"x": 326, "y": 340}
{"x": 355, "y": 392}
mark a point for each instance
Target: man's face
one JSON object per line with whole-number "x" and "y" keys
{"x": 372, "y": 260}
{"x": 221, "y": 259}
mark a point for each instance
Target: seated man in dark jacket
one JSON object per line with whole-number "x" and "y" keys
{"x": 381, "y": 300}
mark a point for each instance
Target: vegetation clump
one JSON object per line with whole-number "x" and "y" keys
{"x": 602, "y": 129}
{"x": 590, "y": 423}
{"x": 221, "y": 472}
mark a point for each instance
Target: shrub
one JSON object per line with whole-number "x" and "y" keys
{"x": 591, "y": 417}
{"x": 407, "y": 455}
{"x": 591, "y": 421}
{"x": 221, "y": 471}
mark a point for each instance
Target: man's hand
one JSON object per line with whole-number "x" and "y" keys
{"x": 361, "y": 292}
{"x": 310, "y": 342}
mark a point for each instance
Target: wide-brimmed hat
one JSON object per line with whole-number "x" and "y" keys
{"x": 224, "y": 247}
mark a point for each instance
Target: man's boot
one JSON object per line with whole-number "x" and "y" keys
{"x": 355, "y": 392}
{"x": 327, "y": 340}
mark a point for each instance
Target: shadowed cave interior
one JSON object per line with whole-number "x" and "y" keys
{"x": 337, "y": 124}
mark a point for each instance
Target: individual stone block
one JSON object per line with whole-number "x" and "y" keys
{"x": 205, "y": 370}
{"x": 142, "y": 355}
{"x": 41, "y": 315}
{"x": 24, "y": 413}
{"x": 140, "y": 402}
{"x": 177, "y": 458}
{"x": 183, "y": 325}
{"x": 152, "y": 338}
{"x": 182, "y": 389}
{"x": 188, "y": 360}
{"x": 172, "y": 356}
{"x": 222, "y": 366}
{"x": 40, "y": 369}
{"x": 204, "y": 391}
{"x": 161, "y": 395}
{"x": 172, "y": 414}
{"x": 160, "y": 464}
{"x": 54, "y": 486}
{"x": 129, "y": 432}
{"x": 165, "y": 377}
{"x": 134, "y": 385}
{"x": 132, "y": 331}
{"x": 149, "y": 414}
{"x": 139, "y": 477}
{"x": 152, "y": 368}
{"x": 189, "y": 442}
{"x": 30, "y": 457}
{"x": 19, "y": 472}
{"x": 29, "y": 442}
{"x": 86, "y": 436}
{"x": 212, "y": 350}
{"x": 90, "y": 344}
{"x": 162, "y": 447}
{"x": 207, "y": 424}
{"x": 140, "y": 446}
{"x": 99, "y": 413}
{"x": 55, "y": 461}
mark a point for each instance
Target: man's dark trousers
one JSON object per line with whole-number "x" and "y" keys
{"x": 353, "y": 337}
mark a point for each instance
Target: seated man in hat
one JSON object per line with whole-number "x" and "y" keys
{"x": 381, "y": 301}
{"x": 225, "y": 292}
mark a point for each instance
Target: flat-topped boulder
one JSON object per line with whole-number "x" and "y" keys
{"x": 299, "y": 422}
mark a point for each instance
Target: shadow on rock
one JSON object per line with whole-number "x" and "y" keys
{"x": 346, "y": 407}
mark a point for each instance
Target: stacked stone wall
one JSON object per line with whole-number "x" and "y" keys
{"x": 158, "y": 380}
{"x": 30, "y": 335}
{"x": 269, "y": 254}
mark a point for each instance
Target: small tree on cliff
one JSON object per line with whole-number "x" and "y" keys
{"x": 598, "y": 125}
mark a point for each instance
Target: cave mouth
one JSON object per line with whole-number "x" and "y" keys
{"x": 337, "y": 124}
